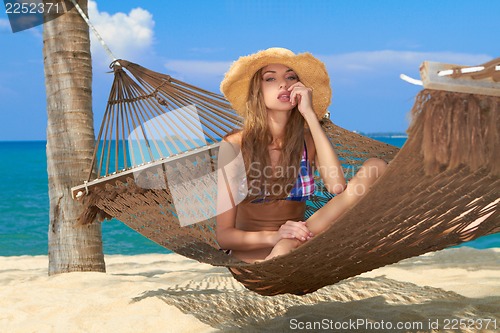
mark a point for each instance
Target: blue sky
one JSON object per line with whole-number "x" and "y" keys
{"x": 365, "y": 45}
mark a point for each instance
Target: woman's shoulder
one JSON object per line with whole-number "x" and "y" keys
{"x": 229, "y": 147}
{"x": 234, "y": 138}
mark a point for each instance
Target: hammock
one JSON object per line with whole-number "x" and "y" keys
{"x": 155, "y": 161}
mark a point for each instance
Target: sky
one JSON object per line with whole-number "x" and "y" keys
{"x": 365, "y": 45}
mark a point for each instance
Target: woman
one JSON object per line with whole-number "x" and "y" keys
{"x": 266, "y": 168}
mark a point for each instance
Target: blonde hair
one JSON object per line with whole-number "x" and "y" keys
{"x": 256, "y": 138}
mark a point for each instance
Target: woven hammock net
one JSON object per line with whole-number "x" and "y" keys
{"x": 155, "y": 161}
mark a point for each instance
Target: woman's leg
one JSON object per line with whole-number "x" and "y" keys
{"x": 357, "y": 188}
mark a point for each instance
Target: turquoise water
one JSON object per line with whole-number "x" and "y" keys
{"x": 24, "y": 207}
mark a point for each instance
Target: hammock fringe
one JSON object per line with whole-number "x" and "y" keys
{"x": 456, "y": 129}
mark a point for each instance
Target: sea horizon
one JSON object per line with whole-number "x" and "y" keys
{"x": 388, "y": 134}
{"x": 24, "y": 207}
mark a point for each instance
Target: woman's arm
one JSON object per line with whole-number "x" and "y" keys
{"x": 232, "y": 238}
{"x": 229, "y": 237}
{"x": 326, "y": 159}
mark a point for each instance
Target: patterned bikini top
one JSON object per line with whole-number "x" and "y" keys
{"x": 304, "y": 185}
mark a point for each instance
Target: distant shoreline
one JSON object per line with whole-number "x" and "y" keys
{"x": 392, "y": 135}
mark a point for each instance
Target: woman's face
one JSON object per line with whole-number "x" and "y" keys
{"x": 276, "y": 79}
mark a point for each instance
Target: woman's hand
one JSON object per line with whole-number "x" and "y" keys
{"x": 293, "y": 229}
{"x": 301, "y": 96}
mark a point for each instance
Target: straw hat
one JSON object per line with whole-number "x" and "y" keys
{"x": 311, "y": 71}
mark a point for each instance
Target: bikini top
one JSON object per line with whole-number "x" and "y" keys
{"x": 304, "y": 185}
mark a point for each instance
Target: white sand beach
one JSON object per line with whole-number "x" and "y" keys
{"x": 169, "y": 293}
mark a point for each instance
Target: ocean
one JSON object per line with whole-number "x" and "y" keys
{"x": 24, "y": 207}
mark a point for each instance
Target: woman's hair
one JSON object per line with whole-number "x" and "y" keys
{"x": 256, "y": 138}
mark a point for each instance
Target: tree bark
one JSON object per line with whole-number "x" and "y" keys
{"x": 70, "y": 142}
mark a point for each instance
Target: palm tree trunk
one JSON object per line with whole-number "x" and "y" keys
{"x": 70, "y": 142}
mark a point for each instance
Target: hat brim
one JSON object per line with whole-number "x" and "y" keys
{"x": 311, "y": 72}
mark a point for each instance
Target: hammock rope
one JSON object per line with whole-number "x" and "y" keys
{"x": 94, "y": 30}
{"x": 155, "y": 163}
{"x": 155, "y": 117}
{"x": 440, "y": 190}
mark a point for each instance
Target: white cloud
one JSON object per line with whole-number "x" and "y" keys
{"x": 22, "y": 21}
{"x": 198, "y": 67}
{"x": 383, "y": 60}
{"x": 4, "y": 25}
{"x": 206, "y": 50}
{"x": 343, "y": 68}
{"x": 37, "y": 32}
{"x": 354, "y": 69}
{"x": 127, "y": 35}
{"x": 205, "y": 74}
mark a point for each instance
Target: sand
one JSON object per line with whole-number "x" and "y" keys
{"x": 169, "y": 293}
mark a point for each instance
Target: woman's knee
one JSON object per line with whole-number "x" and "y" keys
{"x": 374, "y": 167}
{"x": 371, "y": 170}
